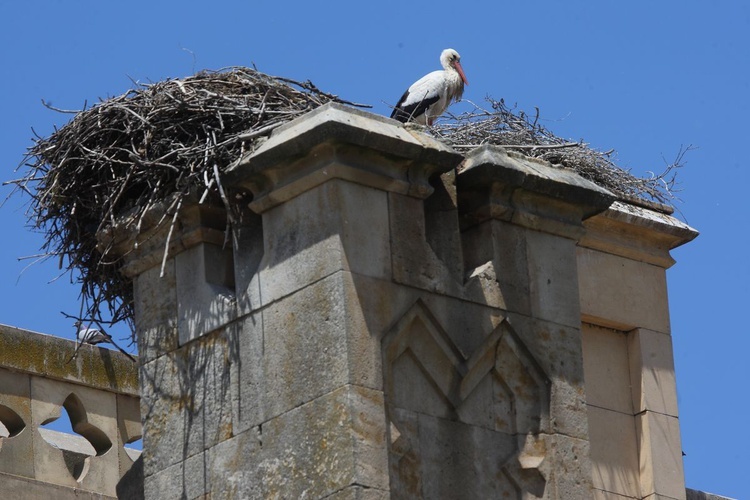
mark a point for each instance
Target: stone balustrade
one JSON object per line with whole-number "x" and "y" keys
{"x": 98, "y": 389}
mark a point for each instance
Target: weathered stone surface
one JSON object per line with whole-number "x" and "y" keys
{"x": 702, "y": 495}
{"x": 30, "y": 489}
{"x": 622, "y": 293}
{"x": 155, "y": 299}
{"x": 414, "y": 261}
{"x": 232, "y": 467}
{"x": 357, "y": 492}
{"x": 186, "y": 401}
{"x": 637, "y": 233}
{"x": 528, "y": 192}
{"x": 614, "y": 451}
{"x": 332, "y": 142}
{"x": 98, "y": 367}
{"x": 553, "y": 284}
{"x": 652, "y": 372}
{"x": 660, "y": 455}
{"x": 495, "y": 256}
{"x": 568, "y": 468}
{"x": 131, "y": 483}
{"x": 316, "y": 449}
{"x": 607, "y": 368}
{"x": 186, "y": 479}
{"x": 205, "y": 290}
{"x": 302, "y": 247}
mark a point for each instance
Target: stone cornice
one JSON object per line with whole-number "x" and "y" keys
{"x": 336, "y": 141}
{"x": 496, "y": 184}
{"x": 637, "y": 233}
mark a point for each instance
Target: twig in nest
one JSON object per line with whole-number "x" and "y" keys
{"x": 129, "y": 153}
{"x": 516, "y": 131}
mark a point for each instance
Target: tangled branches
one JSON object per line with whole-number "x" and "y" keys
{"x": 159, "y": 143}
{"x": 154, "y": 143}
{"x": 523, "y": 133}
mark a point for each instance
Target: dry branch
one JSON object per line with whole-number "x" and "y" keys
{"x": 157, "y": 143}
{"x": 130, "y": 152}
{"x": 521, "y": 132}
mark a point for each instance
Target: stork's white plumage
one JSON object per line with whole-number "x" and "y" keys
{"x": 431, "y": 95}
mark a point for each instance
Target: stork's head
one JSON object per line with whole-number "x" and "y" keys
{"x": 450, "y": 59}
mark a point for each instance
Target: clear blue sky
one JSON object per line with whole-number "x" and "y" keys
{"x": 644, "y": 78}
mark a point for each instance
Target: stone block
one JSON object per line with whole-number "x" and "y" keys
{"x": 660, "y": 455}
{"x": 495, "y": 254}
{"x": 415, "y": 263}
{"x": 15, "y": 415}
{"x": 608, "y": 495}
{"x": 553, "y": 281}
{"x": 302, "y": 246}
{"x": 314, "y": 450}
{"x": 652, "y": 372}
{"x": 232, "y": 467}
{"x": 567, "y": 468}
{"x": 186, "y": 401}
{"x": 357, "y": 492}
{"x": 304, "y": 346}
{"x": 622, "y": 293}
{"x": 156, "y": 312}
{"x": 248, "y": 243}
{"x": 308, "y": 344}
{"x": 557, "y": 349}
{"x": 24, "y": 351}
{"x": 205, "y": 290}
{"x": 463, "y": 461}
{"x": 614, "y": 452}
{"x": 606, "y": 368}
{"x": 186, "y": 480}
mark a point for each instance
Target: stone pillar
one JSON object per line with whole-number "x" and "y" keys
{"x": 630, "y": 378}
{"x": 310, "y": 418}
{"x": 521, "y": 221}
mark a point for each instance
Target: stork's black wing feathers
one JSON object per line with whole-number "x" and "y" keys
{"x": 405, "y": 113}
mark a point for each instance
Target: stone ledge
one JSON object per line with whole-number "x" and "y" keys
{"x": 496, "y": 184}
{"x": 46, "y": 356}
{"x": 336, "y": 141}
{"x": 637, "y": 233}
{"x": 702, "y": 495}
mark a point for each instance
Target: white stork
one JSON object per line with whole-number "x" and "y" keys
{"x": 94, "y": 336}
{"x": 429, "y": 96}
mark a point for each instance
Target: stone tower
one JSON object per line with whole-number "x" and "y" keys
{"x": 381, "y": 327}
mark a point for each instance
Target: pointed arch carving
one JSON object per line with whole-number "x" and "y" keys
{"x": 491, "y": 405}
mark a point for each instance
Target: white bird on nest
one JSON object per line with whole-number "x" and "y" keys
{"x": 95, "y": 336}
{"x": 431, "y": 95}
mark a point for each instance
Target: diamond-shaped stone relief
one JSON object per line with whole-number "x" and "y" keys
{"x": 470, "y": 425}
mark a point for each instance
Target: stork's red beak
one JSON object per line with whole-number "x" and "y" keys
{"x": 460, "y": 70}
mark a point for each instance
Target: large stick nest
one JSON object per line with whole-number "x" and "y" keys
{"x": 165, "y": 140}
